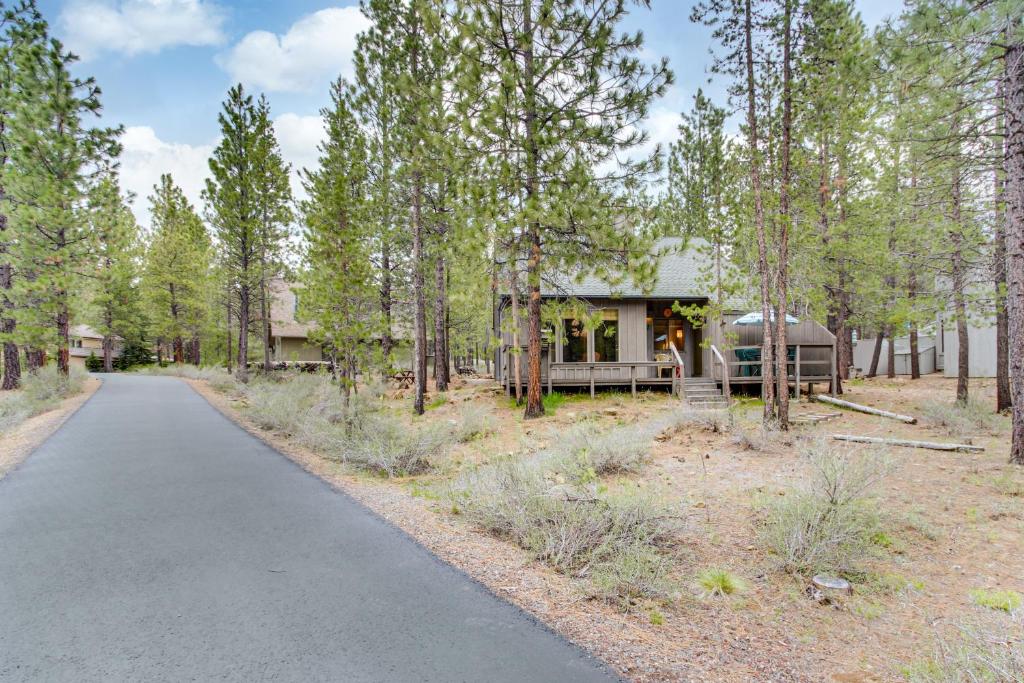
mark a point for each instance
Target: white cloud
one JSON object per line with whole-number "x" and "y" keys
{"x": 139, "y": 26}
{"x": 145, "y": 157}
{"x": 316, "y": 49}
{"x": 299, "y": 137}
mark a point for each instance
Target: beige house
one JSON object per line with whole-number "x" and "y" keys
{"x": 86, "y": 341}
{"x": 289, "y": 339}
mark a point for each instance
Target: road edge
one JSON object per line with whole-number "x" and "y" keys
{"x": 25, "y": 439}
{"x": 335, "y": 476}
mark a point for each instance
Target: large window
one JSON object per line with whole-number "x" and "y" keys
{"x": 606, "y": 337}
{"x": 575, "y": 345}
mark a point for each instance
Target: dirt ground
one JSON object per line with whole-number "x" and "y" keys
{"x": 955, "y": 522}
{"x": 16, "y": 444}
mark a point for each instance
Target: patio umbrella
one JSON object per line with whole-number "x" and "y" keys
{"x": 757, "y": 318}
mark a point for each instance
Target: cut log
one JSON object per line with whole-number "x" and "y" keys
{"x": 935, "y": 446}
{"x": 864, "y": 409}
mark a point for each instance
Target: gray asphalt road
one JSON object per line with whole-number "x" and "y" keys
{"x": 152, "y": 539}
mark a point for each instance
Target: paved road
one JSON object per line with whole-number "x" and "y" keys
{"x": 151, "y": 539}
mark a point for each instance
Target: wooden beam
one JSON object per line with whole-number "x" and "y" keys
{"x": 865, "y": 409}
{"x": 632, "y": 379}
{"x": 796, "y": 372}
{"x": 961, "y": 447}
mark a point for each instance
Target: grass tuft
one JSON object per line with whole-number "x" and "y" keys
{"x": 1004, "y": 600}
{"x": 715, "y": 581}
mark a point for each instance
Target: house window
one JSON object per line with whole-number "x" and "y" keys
{"x": 575, "y": 346}
{"x": 606, "y": 337}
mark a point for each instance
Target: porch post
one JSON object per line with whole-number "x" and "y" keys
{"x": 591, "y": 380}
{"x": 632, "y": 379}
{"x": 796, "y": 373}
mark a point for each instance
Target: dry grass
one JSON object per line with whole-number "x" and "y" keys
{"x": 40, "y": 391}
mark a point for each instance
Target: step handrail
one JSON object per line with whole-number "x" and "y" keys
{"x": 680, "y": 370}
{"x": 725, "y": 371}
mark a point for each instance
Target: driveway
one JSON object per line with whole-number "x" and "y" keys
{"x": 152, "y": 539}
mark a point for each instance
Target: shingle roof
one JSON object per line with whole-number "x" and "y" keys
{"x": 682, "y": 274}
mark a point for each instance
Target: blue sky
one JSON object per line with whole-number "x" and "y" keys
{"x": 165, "y": 65}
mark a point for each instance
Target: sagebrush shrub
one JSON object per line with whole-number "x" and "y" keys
{"x": 989, "y": 651}
{"x": 623, "y": 542}
{"x": 959, "y": 419}
{"x": 829, "y": 524}
{"x": 614, "y": 451}
{"x": 40, "y": 391}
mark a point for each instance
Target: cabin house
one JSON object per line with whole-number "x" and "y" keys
{"x": 640, "y": 341}
{"x": 289, "y": 339}
{"x": 84, "y": 341}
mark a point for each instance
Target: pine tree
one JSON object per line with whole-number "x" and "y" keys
{"x": 114, "y": 301}
{"x": 338, "y": 293}
{"x": 176, "y": 270}
{"x": 554, "y": 141}
{"x": 240, "y": 170}
{"x": 50, "y": 152}
{"x": 274, "y": 206}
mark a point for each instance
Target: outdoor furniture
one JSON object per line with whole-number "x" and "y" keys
{"x": 749, "y": 356}
{"x": 404, "y": 378}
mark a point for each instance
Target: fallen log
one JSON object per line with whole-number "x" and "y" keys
{"x": 864, "y": 409}
{"x": 935, "y": 446}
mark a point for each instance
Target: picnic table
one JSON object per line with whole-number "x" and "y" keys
{"x": 405, "y": 378}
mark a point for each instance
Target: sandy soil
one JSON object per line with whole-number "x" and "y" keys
{"x": 956, "y": 522}
{"x": 18, "y": 443}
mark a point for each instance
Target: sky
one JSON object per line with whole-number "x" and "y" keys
{"x": 164, "y": 67}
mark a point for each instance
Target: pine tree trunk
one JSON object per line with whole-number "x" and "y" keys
{"x": 1014, "y": 65}
{"x": 782, "y": 282}
{"x": 1003, "y": 398}
{"x": 108, "y": 353}
{"x": 959, "y": 296}
{"x": 516, "y": 322}
{"x": 227, "y": 311}
{"x": 265, "y": 314}
{"x": 63, "y": 335}
{"x": 420, "y": 317}
{"x": 244, "y": 296}
{"x": 387, "y": 341}
{"x": 34, "y": 359}
{"x": 877, "y": 353}
{"x": 441, "y": 370}
{"x": 534, "y": 402}
{"x": 767, "y": 352}
{"x": 12, "y": 361}
{"x": 196, "y": 360}
{"x": 915, "y": 361}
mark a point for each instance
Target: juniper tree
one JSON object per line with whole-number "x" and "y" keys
{"x": 557, "y": 92}
{"x": 176, "y": 270}
{"x": 338, "y": 293}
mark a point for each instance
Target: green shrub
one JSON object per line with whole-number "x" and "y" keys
{"x": 94, "y": 363}
{"x": 134, "y": 354}
{"x": 830, "y": 524}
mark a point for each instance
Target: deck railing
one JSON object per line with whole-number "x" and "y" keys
{"x": 798, "y": 367}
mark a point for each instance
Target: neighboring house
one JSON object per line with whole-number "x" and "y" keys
{"x": 85, "y": 341}
{"x": 639, "y": 335}
{"x": 289, "y": 339}
{"x": 926, "y": 355}
{"x": 981, "y": 347}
